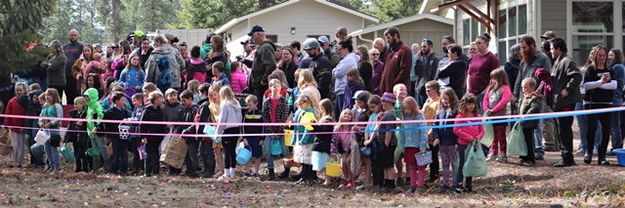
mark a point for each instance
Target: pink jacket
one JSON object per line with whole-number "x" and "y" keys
{"x": 467, "y": 133}
{"x": 501, "y": 104}
{"x": 238, "y": 81}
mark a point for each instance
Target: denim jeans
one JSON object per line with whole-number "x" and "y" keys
{"x": 99, "y": 142}
{"x": 53, "y": 156}
{"x": 615, "y": 130}
{"x": 338, "y": 104}
{"x": 267, "y": 145}
{"x": 582, "y": 123}
{"x": 208, "y": 158}
{"x": 538, "y": 139}
{"x": 191, "y": 160}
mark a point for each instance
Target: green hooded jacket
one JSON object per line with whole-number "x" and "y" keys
{"x": 93, "y": 106}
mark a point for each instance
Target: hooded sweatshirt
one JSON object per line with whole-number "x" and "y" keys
{"x": 176, "y": 63}
{"x": 93, "y": 107}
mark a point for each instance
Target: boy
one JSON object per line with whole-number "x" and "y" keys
{"x": 430, "y": 108}
{"x": 153, "y": 112}
{"x": 94, "y": 111}
{"x": 400, "y": 91}
{"x": 188, "y": 115}
{"x": 530, "y": 104}
{"x": 275, "y": 110}
{"x": 206, "y": 144}
{"x": 135, "y": 140}
{"x": 171, "y": 112}
{"x": 220, "y": 77}
{"x": 120, "y": 145}
{"x": 254, "y": 143}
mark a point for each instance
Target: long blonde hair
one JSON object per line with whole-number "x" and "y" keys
{"x": 214, "y": 105}
{"x": 227, "y": 96}
{"x": 306, "y": 79}
{"x": 344, "y": 113}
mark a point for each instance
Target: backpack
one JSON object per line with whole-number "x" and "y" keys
{"x": 166, "y": 77}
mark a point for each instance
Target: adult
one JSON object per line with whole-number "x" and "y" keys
{"x": 121, "y": 58}
{"x": 514, "y": 63}
{"x": 144, "y": 51}
{"x": 380, "y": 44}
{"x": 532, "y": 59}
{"x": 296, "y": 46}
{"x": 79, "y": 69}
{"x": 250, "y": 48}
{"x": 72, "y": 51}
{"x": 206, "y": 45}
{"x": 264, "y": 61}
{"x": 378, "y": 69}
{"x": 184, "y": 51}
{"x": 278, "y": 53}
{"x": 55, "y": 67}
{"x": 324, "y": 42}
{"x": 396, "y": 63}
{"x": 218, "y": 53}
{"x": 600, "y": 85}
{"x": 414, "y": 48}
{"x": 426, "y": 67}
{"x": 365, "y": 69}
{"x": 482, "y": 63}
{"x": 567, "y": 79}
{"x": 288, "y": 65}
{"x": 444, "y": 59}
{"x": 319, "y": 66}
{"x": 454, "y": 74}
{"x": 345, "y": 49}
{"x": 615, "y": 60}
{"x": 163, "y": 51}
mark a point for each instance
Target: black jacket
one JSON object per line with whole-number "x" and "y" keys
{"x": 322, "y": 70}
{"x": 114, "y": 113}
{"x": 365, "y": 69}
{"x": 324, "y": 139}
{"x": 187, "y": 115}
{"x": 153, "y": 113}
{"x": 76, "y": 133}
{"x": 203, "y": 115}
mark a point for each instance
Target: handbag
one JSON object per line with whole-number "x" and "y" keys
{"x": 276, "y": 147}
{"x": 55, "y": 140}
{"x": 424, "y": 158}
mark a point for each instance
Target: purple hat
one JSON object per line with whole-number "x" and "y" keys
{"x": 388, "y": 97}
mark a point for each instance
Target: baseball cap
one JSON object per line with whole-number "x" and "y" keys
{"x": 362, "y": 95}
{"x": 311, "y": 43}
{"x": 548, "y": 35}
{"x": 323, "y": 39}
{"x": 256, "y": 28}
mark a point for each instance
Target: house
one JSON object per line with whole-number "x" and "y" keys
{"x": 412, "y": 29}
{"x": 192, "y": 37}
{"x": 582, "y": 23}
{"x": 294, "y": 20}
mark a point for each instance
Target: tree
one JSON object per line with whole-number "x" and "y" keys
{"x": 19, "y": 23}
{"x": 214, "y": 13}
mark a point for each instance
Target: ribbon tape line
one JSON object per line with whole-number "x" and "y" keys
{"x": 471, "y": 121}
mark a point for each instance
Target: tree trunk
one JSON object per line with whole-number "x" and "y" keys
{"x": 114, "y": 19}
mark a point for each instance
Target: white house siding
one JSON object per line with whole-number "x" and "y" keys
{"x": 415, "y": 32}
{"x": 553, "y": 17}
{"x": 191, "y": 36}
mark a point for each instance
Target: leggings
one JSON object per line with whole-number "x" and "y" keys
{"x": 605, "y": 120}
{"x": 459, "y": 176}
{"x": 230, "y": 144}
{"x": 448, "y": 155}
{"x": 498, "y": 147}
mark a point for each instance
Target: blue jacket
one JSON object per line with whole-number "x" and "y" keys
{"x": 300, "y": 132}
{"x": 411, "y": 136}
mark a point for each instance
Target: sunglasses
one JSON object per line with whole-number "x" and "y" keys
{"x": 375, "y": 54}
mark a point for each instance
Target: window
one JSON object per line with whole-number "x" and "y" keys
{"x": 466, "y": 32}
{"x": 471, "y": 30}
{"x": 317, "y": 36}
{"x": 273, "y": 38}
{"x": 593, "y": 24}
{"x": 512, "y": 25}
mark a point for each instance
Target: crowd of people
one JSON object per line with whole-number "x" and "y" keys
{"x": 312, "y": 84}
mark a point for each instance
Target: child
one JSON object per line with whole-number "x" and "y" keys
{"x": 342, "y": 140}
{"x": 220, "y": 77}
{"x": 372, "y": 163}
{"x": 400, "y": 92}
{"x": 303, "y": 141}
{"x": 94, "y": 110}
{"x": 165, "y": 77}
{"x": 15, "y": 124}
{"x": 321, "y": 151}
{"x": 120, "y": 145}
{"x": 96, "y": 66}
{"x": 132, "y": 76}
{"x": 466, "y": 135}
{"x": 254, "y": 143}
{"x": 445, "y": 137}
{"x": 52, "y": 109}
{"x": 279, "y": 75}
{"x": 354, "y": 84}
{"x": 361, "y": 114}
{"x": 77, "y": 135}
{"x": 238, "y": 78}
{"x": 193, "y": 86}
{"x": 430, "y": 108}
{"x": 153, "y": 112}
{"x": 214, "y": 107}
{"x": 414, "y": 141}
{"x": 275, "y": 110}
{"x": 495, "y": 102}
{"x": 188, "y": 115}
{"x": 171, "y": 112}
{"x": 204, "y": 115}
{"x": 196, "y": 67}
{"x": 531, "y": 104}
{"x": 230, "y": 113}
{"x": 33, "y": 109}
{"x": 135, "y": 140}
{"x": 387, "y": 140}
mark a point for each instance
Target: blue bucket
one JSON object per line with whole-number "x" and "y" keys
{"x": 243, "y": 155}
{"x": 620, "y": 156}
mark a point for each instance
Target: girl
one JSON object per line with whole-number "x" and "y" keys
{"x": 342, "y": 140}
{"x": 303, "y": 141}
{"x": 354, "y": 84}
{"x": 387, "y": 140}
{"x": 230, "y": 113}
{"x": 238, "y": 79}
{"x": 153, "y": 112}
{"x": 275, "y": 110}
{"x": 193, "y": 86}
{"x": 415, "y": 141}
{"x": 78, "y": 137}
{"x": 52, "y": 109}
{"x": 196, "y": 67}
{"x": 94, "y": 81}
{"x": 214, "y": 107}
{"x": 132, "y": 76}
{"x": 15, "y": 124}
{"x": 321, "y": 151}
{"x": 372, "y": 169}
{"x": 288, "y": 65}
{"x": 495, "y": 103}
{"x": 466, "y": 135}
{"x": 445, "y": 137}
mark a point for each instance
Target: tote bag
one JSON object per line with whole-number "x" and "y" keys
{"x": 489, "y": 134}
{"x": 475, "y": 164}
{"x": 516, "y": 144}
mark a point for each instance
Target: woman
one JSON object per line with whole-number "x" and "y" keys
{"x": 217, "y": 54}
{"x": 55, "y": 63}
{"x": 121, "y": 58}
{"x": 145, "y": 51}
{"x": 378, "y": 68}
{"x": 453, "y": 75}
{"x": 482, "y": 63}
{"x": 288, "y": 66}
{"x": 600, "y": 86}
{"x": 365, "y": 69}
{"x": 79, "y": 69}
{"x": 615, "y": 60}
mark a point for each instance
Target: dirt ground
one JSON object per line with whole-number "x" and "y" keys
{"x": 507, "y": 185}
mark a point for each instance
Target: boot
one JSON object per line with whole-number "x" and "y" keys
{"x": 285, "y": 173}
{"x": 272, "y": 175}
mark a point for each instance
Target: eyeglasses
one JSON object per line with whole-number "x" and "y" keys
{"x": 375, "y": 54}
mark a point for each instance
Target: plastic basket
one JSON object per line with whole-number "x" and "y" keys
{"x": 620, "y": 156}
{"x": 333, "y": 169}
{"x": 243, "y": 156}
{"x": 288, "y": 138}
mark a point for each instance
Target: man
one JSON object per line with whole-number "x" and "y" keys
{"x": 546, "y": 44}
{"x": 327, "y": 50}
{"x": 379, "y": 44}
{"x": 426, "y": 68}
{"x": 567, "y": 78}
{"x": 72, "y": 51}
{"x": 320, "y": 66}
{"x": 349, "y": 61}
{"x": 396, "y": 62}
{"x": 264, "y": 62}
{"x": 414, "y": 48}
{"x": 532, "y": 60}
{"x": 444, "y": 60}
{"x": 163, "y": 50}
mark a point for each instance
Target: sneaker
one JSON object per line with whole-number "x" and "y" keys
{"x": 349, "y": 185}
{"x": 502, "y": 159}
{"x": 580, "y": 152}
{"x": 412, "y": 190}
{"x": 343, "y": 184}
{"x": 604, "y": 163}
{"x": 491, "y": 157}
{"x": 540, "y": 157}
{"x": 362, "y": 187}
{"x": 458, "y": 190}
{"x": 562, "y": 164}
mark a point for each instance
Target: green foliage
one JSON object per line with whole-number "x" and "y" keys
{"x": 19, "y": 23}
{"x": 214, "y": 13}
{"x": 388, "y": 10}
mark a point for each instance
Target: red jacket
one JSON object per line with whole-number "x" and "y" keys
{"x": 397, "y": 64}
{"x": 14, "y": 108}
